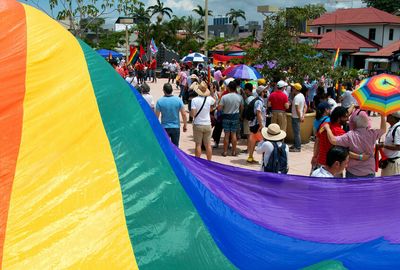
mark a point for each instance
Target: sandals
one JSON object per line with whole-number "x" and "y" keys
{"x": 224, "y": 154}
{"x": 234, "y": 154}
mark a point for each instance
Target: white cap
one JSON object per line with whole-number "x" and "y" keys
{"x": 281, "y": 84}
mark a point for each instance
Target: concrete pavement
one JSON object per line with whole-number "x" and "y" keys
{"x": 299, "y": 163}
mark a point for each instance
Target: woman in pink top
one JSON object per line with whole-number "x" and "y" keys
{"x": 360, "y": 140}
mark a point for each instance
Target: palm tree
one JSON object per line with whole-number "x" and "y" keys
{"x": 201, "y": 12}
{"x": 193, "y": 27}
{"x": 234, "y": 15}
{"x": 160, "y": 10}
{"x": 141, "y": 14}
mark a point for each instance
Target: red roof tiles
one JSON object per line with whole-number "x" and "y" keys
{"x": 356, "y": 16}
{"x": 388, "y": 50}
{"x": 345, "y": 40}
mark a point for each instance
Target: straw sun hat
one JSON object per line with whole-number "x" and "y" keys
{"x": 202, "y": 89}
{"x": 273, "y": 133}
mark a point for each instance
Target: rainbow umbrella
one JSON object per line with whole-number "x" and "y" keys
{"x": 380, "y": 93}
{"x": 229, "y": 69}
{"x": 89, "y": 180}
{"x": 244, "y": 72}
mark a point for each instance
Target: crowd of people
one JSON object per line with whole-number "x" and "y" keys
{"x": 345, "y": 144}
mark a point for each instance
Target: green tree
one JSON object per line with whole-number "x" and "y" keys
{"x": 390, "y": 6}
{"x": 111, "y": 40}
{"x": 297, "y": 17}
{"x": 193, "y": 27}
{"x": 160, "y": 10}
{"x": 199, "y": 10}
{"x": 89, "y": 10}
{"x": 234, "y": 15}
{"x": 295, "y": 60}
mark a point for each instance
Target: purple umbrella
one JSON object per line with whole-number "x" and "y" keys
{"x": 272, "y": 64}
{"x": 244, "y": 72}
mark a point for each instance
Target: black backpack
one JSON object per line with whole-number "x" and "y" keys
{"x": 277, "y": 162}
{"x": 249, "y": 110}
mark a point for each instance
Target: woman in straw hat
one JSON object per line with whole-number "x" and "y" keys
{"x": 200, "y": 111}
{"x": 275, "y": 152}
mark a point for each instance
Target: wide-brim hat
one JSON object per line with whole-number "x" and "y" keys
{"x": 194, "y": 77}
{"x": 202, "y": 90}
{"x": 273, "y": 133}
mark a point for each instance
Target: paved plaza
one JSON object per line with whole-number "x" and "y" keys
{"x": 299, "y": 163}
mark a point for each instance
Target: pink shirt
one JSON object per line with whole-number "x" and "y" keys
{"x": 361, "y": 140}
{"x": 218, "y": 75}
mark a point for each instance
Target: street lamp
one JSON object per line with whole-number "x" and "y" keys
{"x": 127, "y": 21}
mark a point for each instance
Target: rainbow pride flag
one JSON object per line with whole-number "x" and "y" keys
{"x": 89, "y": 180}
{"x": 336, "y": 60}
{"x": 133, "y": 55}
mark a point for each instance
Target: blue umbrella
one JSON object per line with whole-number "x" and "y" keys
{"x": 195, "y": 57}
{"x": 106, "y": 53}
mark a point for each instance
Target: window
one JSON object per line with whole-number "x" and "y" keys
{"x": 319, "y": 30}
{"x": 391, "y": 32}
{"x": 328, "y": 30}
{"x": 372, "y": 32}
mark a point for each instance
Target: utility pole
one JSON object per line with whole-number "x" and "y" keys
{"x": 206, "y": 27}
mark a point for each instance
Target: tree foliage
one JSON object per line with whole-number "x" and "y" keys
{"x": 390, "y": 6}
{"x": 294, "y": 60}
{"x": 234, "y": 15}
{"x": 199, "y": 10}
{"x": 160, "y": 10}
{"x": 89, "y": 10}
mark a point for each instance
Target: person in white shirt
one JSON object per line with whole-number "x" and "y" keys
{"x": 273, "y": 161}
{"x": 145, "y": 91}
{"x": 200, "y": 110}
{"x": 391, "y": 147}
{"x": 337, "y": 160}
{"x": 299, "y": 109}
{"x": 131, "y": 79}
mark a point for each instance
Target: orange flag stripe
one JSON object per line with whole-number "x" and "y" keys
{"x": 12, "y": 91}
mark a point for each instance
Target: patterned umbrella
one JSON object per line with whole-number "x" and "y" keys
{"x": 229, "y": 69}
{"x": 195, "y": 57}
{"x": 380, "y": 93}
{"x": 244, "y": 72}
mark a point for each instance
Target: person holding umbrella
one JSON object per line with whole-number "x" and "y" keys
{"x": 391, "y": 146}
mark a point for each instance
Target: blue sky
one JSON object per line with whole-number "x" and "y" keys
{"x": 219, "y": 7}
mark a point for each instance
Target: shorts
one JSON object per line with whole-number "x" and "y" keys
{"x": 254, "y": 129}
{"x": 230, "y": 122}
{"x": 202, "y": 133}
{"x": 246, "y": 130}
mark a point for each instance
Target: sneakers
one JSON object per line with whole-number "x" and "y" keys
{"x": 294, "y": 149}
{"x": 251, "y": 160}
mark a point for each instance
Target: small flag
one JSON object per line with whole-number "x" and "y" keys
{"x": 153, "y": 47}
{"x": 336, "y": 60}
{"x": 133, "y": 56}
{"x": 142, "y": 52}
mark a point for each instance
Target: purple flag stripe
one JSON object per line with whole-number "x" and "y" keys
{"x": 325, "y": 211}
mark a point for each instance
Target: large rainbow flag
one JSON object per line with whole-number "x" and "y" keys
{"x": 88, "y": 180}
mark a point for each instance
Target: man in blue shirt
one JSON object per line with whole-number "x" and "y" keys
{"x": 169, "y": 106}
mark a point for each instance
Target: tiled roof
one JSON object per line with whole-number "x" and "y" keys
{"x": 388, "y": 50}
{"x": 310, "y": 35}
{"x": 234, "y": 47}
{"x": 345, "y": 40}
{"x": 356, "y": 16}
